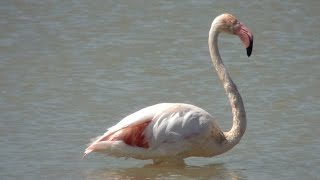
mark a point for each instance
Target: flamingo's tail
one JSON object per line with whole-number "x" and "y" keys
{"x": 86, "y": 152}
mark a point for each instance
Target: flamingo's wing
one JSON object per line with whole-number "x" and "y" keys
{"x": 141, "y": 116}
{"x": 161, "y": 129}
{"x": 127, "y": 128}
{"x": 182, "y": 125}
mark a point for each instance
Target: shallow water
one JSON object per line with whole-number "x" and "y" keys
{"x": 70, "y": 69}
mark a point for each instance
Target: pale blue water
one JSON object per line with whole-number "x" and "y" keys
{"x": 70, "y": 69}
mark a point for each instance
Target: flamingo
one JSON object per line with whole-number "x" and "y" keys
{"x": 171, "y": 132}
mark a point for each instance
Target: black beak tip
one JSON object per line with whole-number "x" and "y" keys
{"x": 249, "y": 49}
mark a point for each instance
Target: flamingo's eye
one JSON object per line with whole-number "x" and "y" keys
{"x": 236, "y": 23}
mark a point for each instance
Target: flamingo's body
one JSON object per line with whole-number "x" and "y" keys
{"x": 174, "y": 131}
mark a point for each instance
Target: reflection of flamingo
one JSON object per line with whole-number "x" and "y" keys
{"x": 171, "y": 132}
{"x": 165, "y": 171}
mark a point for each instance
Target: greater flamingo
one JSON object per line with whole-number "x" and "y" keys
{"x": 170, "y": 132}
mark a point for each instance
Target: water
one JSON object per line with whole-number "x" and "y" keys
{"x": 70, "y": 69}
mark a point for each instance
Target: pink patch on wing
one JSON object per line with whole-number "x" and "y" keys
{"x": 131, "y": 135}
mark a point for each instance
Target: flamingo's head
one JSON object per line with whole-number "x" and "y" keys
{"x": 229, "y": 24}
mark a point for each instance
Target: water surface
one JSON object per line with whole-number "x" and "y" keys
{"x": 70, "y": 69}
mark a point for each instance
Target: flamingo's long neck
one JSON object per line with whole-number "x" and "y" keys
{"x": 239, "y": 115}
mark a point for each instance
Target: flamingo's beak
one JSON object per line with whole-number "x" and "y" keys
{"x": 249, "y": 48}
{"x": 246, "y": 37}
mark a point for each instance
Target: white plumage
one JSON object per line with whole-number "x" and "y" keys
{"x": 172, "y": 127}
